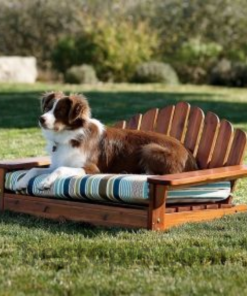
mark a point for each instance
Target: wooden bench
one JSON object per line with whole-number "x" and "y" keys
{"x": 218, "y": 149}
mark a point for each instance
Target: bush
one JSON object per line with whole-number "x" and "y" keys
{"x": 229, "y": 73}
{"x": 114, "y": 49}
{"x": 192, "y": 29}
{"x": 152, "y": 72}
{"x": 65, "y": 54}
{"x": 195, "y": 58}
{"x": 33, "y": 27}
{"x": 81, "y": 74}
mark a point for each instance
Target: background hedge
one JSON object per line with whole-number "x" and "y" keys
{"x": 193, "y": 36}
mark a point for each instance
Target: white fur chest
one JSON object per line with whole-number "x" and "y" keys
{"x": 61, "y": 151}
{"x": 66, "y": 155}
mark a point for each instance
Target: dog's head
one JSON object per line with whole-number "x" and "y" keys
{"x": 61, "y": 112}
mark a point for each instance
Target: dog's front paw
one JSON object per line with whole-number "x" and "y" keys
{"x": 45, "y": 184}
{"x": 21, "y": 184}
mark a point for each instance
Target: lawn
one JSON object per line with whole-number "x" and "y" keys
{"x": 41, "y": 257}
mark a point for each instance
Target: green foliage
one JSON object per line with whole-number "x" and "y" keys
{"x": 229, "y": 73}
{"x": 115, "y": 49}
{"x": 194, "y": 51}
{"x": 155, "y": 72}
{"x": 195, "y": 58}
{"x": 64, "y": 55}
{"x": 199, "y": 30}
{"x": 81, "y": 74}
{"x": 33, "y": 27}
{"x": 190, "y": 35}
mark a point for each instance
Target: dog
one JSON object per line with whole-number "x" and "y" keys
{"x": 79, "y": 145}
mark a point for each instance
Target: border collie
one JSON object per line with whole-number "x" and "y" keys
{"x": 79, "y": 144}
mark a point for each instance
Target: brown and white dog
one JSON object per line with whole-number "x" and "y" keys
{"x": 79, "y": 144}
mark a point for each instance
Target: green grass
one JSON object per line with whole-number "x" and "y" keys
{"x": 40, "y": 257}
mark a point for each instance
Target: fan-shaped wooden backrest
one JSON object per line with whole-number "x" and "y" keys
{"x": 214, "y": 143}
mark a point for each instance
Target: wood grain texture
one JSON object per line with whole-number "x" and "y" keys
{"x": 156, "y": 210}
{"x": 149, "y": 120}
{"x": 236, "y": 154}
{"x": 25, "y": 163}
{"x": 207, "y": 141}
{"x": 179, "y": 121}
{"x": 201, "y": 176}
{"x": 196, "y": 207}
{"x": 222, "y": 145}
{"x": 174, "y": 219}
{"x": 134, "y": 123}
{"x": 63, "y": 210}
{"x": 114, "y": 215}
{"x": 164, "y": 120}
{"x": 195, "y": 124}
{"x": 120, "y": 124}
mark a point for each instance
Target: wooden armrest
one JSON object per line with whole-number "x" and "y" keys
{"x": 24, "y": 163}
{"x": 201, "y": 176}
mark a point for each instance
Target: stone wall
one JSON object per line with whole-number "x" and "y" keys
{"x": 18, "y": 69}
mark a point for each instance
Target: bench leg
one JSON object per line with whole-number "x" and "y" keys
{"x": 157, "y": 207}
{"x": 2, "y": 177}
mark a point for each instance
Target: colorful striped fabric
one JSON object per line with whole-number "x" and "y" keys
{"x": 116, "y": 188}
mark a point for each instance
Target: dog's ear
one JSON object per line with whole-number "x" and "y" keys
{"x": 79, "y": 109}
{"x": 48, "y": 97}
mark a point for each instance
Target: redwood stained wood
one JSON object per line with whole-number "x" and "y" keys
{"x": 196, "y": 206}
{"x": 179, "y": 122}
{"x": 226, "y": 206}
{"x": 99, "y": 214}
{"x": 113, "y": 216}
{"x": 164, "y": 120}
{"x": 200, "y": 177}
{"x": 149, "y": 120}
{"x": 207, "y": 141}
{"x": 156, "y": 211}
{"x": 174, "y": 219}
{"x": 24, "y": 163}
{"x": 195, "y": 123}
{"x": 134, "y": 123}
{"x": 222, "y": 144}
{"x": 78, "y": 202}
{"x": 120, "y": 124}
{"x": 237, "y": 149}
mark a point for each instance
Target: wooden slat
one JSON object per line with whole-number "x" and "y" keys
{"x": 149, "y": 120}
{"x": 174, "y": 219}
{"x": 236, "y": 154}
{"x": 156, "y": 209}
{"x": 25, "y": 163}
{"x": 68, "y": 202}
{"x": 134, "y": 123}
{"x": 120, "y": 124}
{"x": 92, "y": 213}
{"x": 207, "y": 140}
{"x": 222, "y": 144}
{"x": 164, "y": 120}
{"x": 195, "y": 123}
{"x": 179, "y": 121}
{"x": 201, "y": 176}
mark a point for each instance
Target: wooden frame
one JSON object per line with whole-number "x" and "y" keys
{"x": 218, "y": 149}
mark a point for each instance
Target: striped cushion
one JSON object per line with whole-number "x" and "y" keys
{"x": 117, "y": 188}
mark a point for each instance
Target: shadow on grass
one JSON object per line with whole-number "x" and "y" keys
{"x": 21, "y": 110}
{"x": 54, "y": 227}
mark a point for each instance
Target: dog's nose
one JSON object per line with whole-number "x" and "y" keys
{"x": 42, "y": 120}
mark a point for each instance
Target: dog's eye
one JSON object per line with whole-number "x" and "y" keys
{"x": 46, "y": 109}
